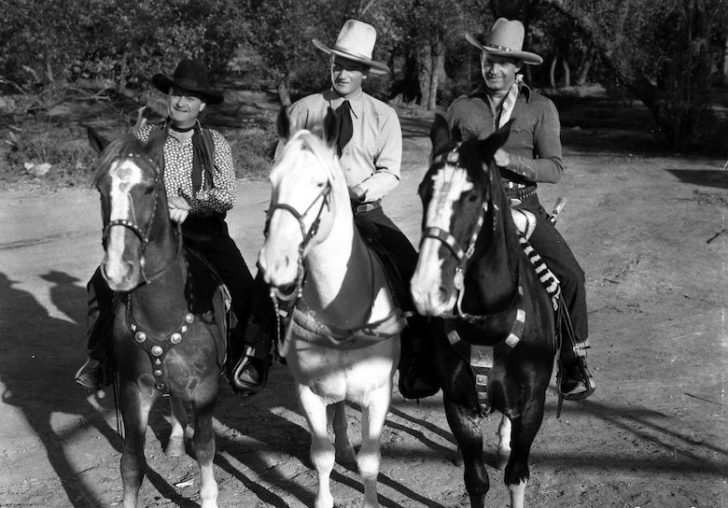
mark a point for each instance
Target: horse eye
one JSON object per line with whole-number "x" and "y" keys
{"x": 472, "y": 198}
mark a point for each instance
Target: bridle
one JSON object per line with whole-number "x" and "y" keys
{"x": 141, "y": 233}
{"x": 448, "y": 239}
{"x": 307, "y": 235}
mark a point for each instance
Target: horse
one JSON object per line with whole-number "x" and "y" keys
{"x": 472, "y": 271}
{"x": 342, "y": 340}
{"x": 169, "y": 329}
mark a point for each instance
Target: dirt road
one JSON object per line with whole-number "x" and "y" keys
{"x": 651, "y": 235}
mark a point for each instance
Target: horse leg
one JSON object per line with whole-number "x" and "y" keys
{"x": 135, "y": 407}
{"x": 344, "y": 450}
{"x": 176, "y": 445}
{"x": 504, "y": 442}
{"x": 322, "y": 451}
{"x": 204, "y": 446}
{"x": 523, "y": 432}
{"x": 465, "y": 425}
{"x": 370, "y": 456}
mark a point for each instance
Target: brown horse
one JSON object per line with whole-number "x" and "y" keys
{"x": 169, "y": 331}
{"x": 473, "y": 271}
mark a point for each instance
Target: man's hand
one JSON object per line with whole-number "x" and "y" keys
{"x": 502, "y": 158}
{"x": 179, "y": 208}
{"x": 357, "y": 194}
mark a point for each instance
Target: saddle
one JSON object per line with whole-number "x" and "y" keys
{"x": 306, "y": 327}
{"x": 209, "y": 297}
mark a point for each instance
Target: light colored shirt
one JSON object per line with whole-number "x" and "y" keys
{"x": 178, "y": 173}
{"x": 373, "y": 156}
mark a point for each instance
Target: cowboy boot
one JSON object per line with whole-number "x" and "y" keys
{"x": 250, "y": 373}
{"x": 575, "y": 380}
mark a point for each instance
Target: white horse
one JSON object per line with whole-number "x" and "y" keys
{"x": 342, "y": 343}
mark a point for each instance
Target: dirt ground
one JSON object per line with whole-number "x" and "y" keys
{"x": 651, "y": 233}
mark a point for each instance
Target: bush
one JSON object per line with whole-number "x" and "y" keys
{"x": 253, "y": 147}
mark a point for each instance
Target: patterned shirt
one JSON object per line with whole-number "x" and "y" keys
{"x": 178, "y": 173}
{"x": 373, "y": 156}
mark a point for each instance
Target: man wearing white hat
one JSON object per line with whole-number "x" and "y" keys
{"x": 532, "y": 154}
{"x": 370, "y": 150}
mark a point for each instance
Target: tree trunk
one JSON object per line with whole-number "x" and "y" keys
{"x": 284, "y": 94}
{"x": 552, "y": 71}
{"x": 586, "y": 63}
{"x": 424, "y": 72}
{"x": 725, "y": 63}
{"x": 438, "y": 70}
{"x": 567, "y": 72}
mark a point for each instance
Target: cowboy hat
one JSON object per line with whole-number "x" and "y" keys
{"x": 190, "y": 75}
{"x": 355, "y": 42}
{"x": 506, "y": 39}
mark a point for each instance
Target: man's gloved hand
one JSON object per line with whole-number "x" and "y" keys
{"x": 357, "y": 194}
{"x": 179, "y": 208}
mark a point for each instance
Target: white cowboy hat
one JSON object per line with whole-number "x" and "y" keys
{"x": 506, "y": 39}
{"x": 355, "y": 42}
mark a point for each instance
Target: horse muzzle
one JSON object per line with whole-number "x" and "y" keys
{"x": 120, "y": 275}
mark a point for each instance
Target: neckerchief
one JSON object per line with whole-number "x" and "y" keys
{"x": 509, "y": 101}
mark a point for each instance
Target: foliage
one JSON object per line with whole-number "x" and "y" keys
{"x": 117, "y": 42}
{"x": 665, "y": 52}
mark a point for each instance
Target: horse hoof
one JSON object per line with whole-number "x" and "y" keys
{"x": 175, "y": 447}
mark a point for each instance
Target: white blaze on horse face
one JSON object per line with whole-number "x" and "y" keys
{"x": 449, "y": 184}
{"x": 124, "y": 176}
{"x": 297, "y": 182}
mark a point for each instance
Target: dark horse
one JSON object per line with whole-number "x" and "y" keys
{"x": 472, "y": 271}
{"x": 169, "y": 331}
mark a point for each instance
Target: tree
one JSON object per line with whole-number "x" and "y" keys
{"x": 665, "y": 52}
{"x": 427, "y": 29}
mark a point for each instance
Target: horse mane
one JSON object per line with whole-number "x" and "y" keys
{"x": 128, "y": 144}
{"x": 490, "y": 176}
{"x": 313, "y": 142}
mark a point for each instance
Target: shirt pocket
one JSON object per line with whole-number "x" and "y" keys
{"x": 521, "y": 136}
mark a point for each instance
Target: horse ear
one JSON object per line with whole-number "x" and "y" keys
{"x": 439, "y": 134}
{"x": 96, "y": 140}
{"x": 489, "y": 145}
{"x": 331, "y": 127}
{"x": 283, "y": 123}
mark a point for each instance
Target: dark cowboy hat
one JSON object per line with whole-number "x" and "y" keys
{"x": 506, "y": 39}
{"x": 190, "y": 75}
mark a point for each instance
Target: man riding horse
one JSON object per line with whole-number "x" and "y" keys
{"x": 200, "y": 183}
{"x": 370, "y": 151}
{"x": 531, "y": 154}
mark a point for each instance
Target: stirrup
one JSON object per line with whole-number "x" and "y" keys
{"x": 584, "y": 378}
{"x": 89, "y": 375}
{"x": 245, "y": 387}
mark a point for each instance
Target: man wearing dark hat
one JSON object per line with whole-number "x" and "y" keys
{"x": 370, "y": 151}
{"x": 200, "y": 182}
{"x": 532, "y": 154}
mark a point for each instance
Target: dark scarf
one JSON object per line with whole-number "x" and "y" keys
{"x": 203, "y": 154}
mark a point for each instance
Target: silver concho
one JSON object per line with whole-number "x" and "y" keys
{"x": 157, "y": 350}
{"x": 175, "y": 338}
{"x": 189, "y": 317}
{"x": 140, "y": 337}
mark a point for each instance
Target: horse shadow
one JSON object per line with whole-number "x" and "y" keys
{"x": 36, "y": 367}
{"x": 37, "y": 363}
